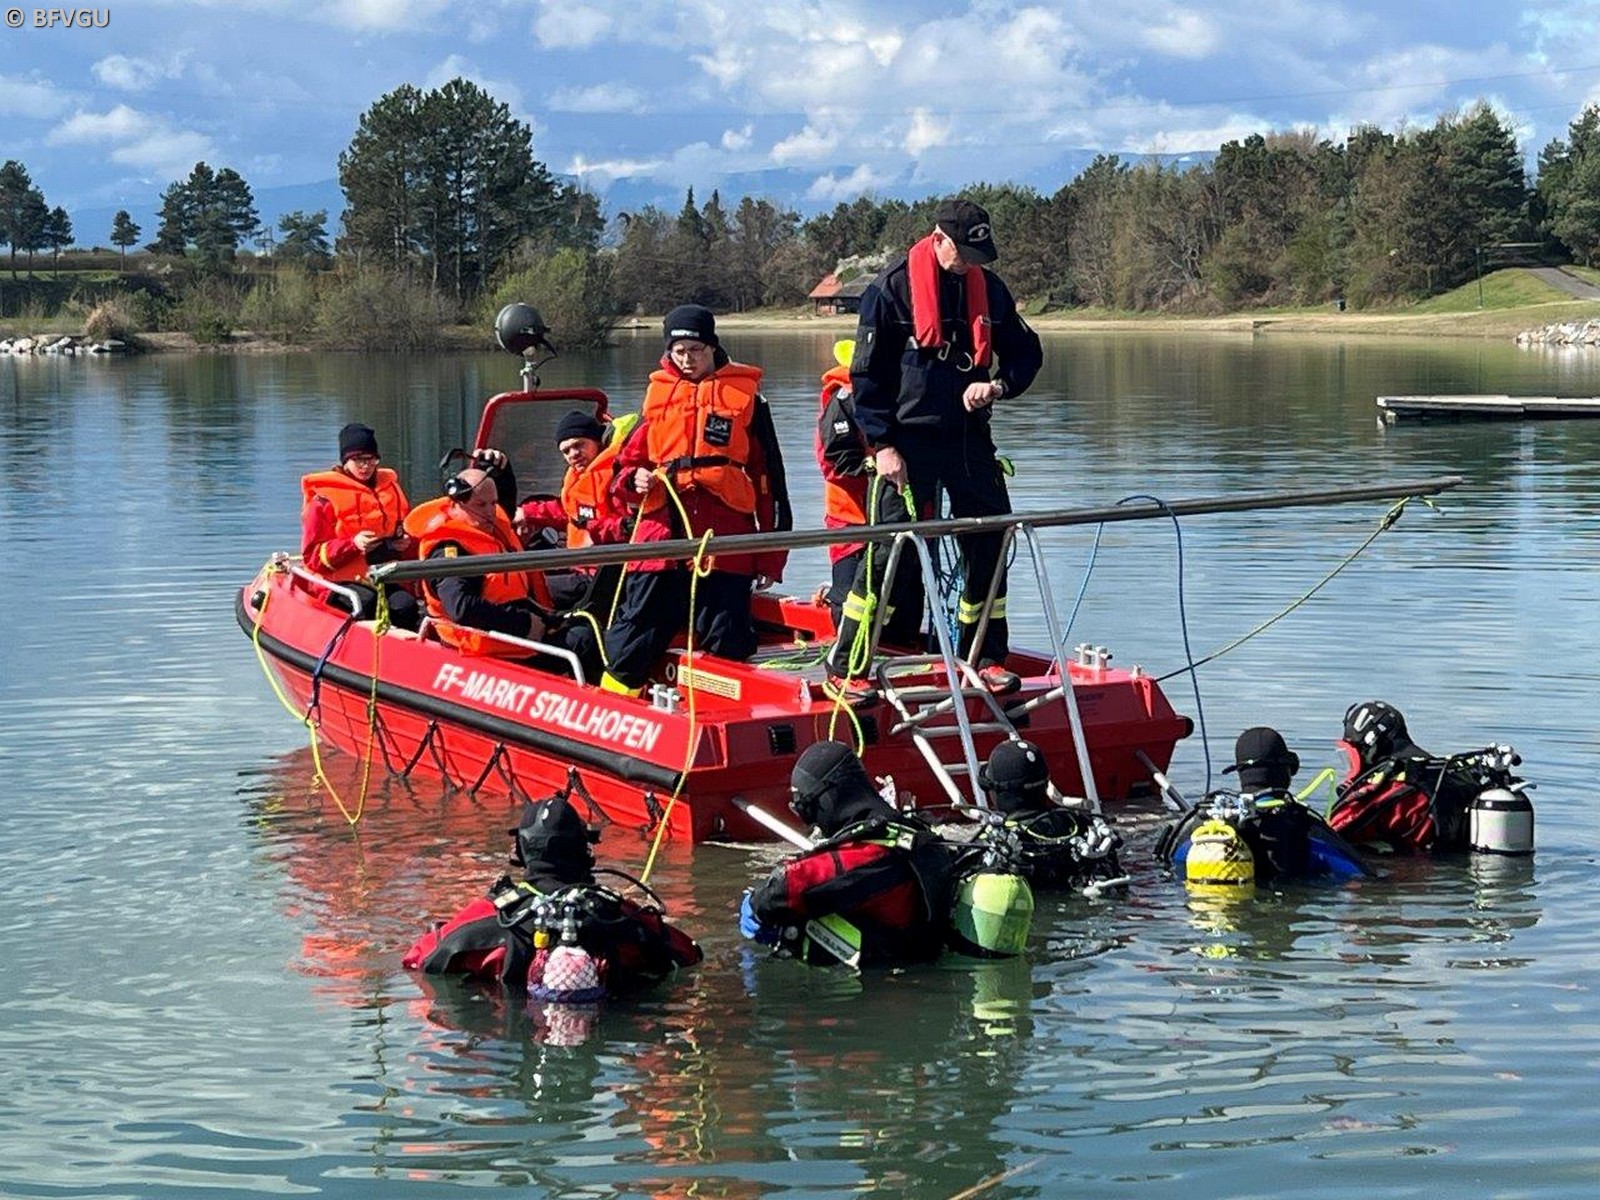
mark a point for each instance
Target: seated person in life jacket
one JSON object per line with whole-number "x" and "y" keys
{"x": 850, "y": 489}
{"x": 703, "y": 458}
{"x": 500, "y": 936}
{"x": 1395, "y": 795}
{"x": 352, "y": 520}
{"x": 1287, "y": 840}
{"x": 880, "y": 871}
{"x": 468, "y": 520}
{"x": 1051, "y": 846}
{"x": 586, "y": 511}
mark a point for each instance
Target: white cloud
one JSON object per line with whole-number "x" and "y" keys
{"x": 570, "y": 26}
{"x": 726, "y": 64}
{"x": 21, "y": 97}
{"x": 834, "y": 187}
{"x": 807, "y": 145}
{"x": 601, "y": 98}
{"x": 382, "y": 15}
{"x": 135, "y": 74}
{"x": 925, "y": 133}
{"x": 137, "y": 139}
{"x": 737, "y": 139}
{"x": 603, "y": 171}
{"x": 1183, "y": 35}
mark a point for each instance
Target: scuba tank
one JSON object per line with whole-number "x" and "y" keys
{"x": 991, "y": 915}
{"x": 1500, "y": 816}
{"x": 991, "y": 912}
{"x": 1219, "y": 861}
{"x": 1500, "y": 821}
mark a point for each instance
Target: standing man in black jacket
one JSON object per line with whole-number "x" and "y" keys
{"x": 939, "y": 341}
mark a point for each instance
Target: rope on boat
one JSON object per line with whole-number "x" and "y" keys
{"x": 1384, "y": 525}
{"x": 309, "y": 718}
{"x": 699, "y": 568}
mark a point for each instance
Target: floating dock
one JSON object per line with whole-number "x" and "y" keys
{"x": 1486, "y": 408}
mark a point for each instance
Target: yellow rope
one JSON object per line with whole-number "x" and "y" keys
{"x": 318, "y": 775}
{"x": 1389, "y": 518}
{"x": 697, "y": 571}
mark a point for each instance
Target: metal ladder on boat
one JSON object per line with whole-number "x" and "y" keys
{"x": 931, "y": 693}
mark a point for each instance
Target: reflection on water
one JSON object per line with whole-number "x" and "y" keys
{"x": 210, "y": 952}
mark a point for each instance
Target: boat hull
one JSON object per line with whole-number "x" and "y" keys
{"x": 418, "y": 706}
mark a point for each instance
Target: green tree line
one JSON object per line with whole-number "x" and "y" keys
{"x": 445, "y": 198}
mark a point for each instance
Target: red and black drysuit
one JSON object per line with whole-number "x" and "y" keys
{"x": 633, "y": 942}
{"x": 881, "y": 870}
{"x": 1395, "y": 792}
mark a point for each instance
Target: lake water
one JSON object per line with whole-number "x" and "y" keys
{"x": 201, "y": 992}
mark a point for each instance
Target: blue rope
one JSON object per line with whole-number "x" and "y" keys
{"x": 1183, "y": 622}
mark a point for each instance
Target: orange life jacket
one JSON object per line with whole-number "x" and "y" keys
{"x": 700, "y": 433}
{"x": 357, "y": 508}
{"x": 432, "y": 525}
{"x": 586, "y": 494}
{"x": 844, "y": 499}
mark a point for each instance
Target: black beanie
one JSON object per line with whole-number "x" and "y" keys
{"x": 1263, "y": 760}
{"x": 357, "y": 439}
{"x": 579, "y": 425}
{"x": 1018, "y": 777}
{"x": 690, "y": 321}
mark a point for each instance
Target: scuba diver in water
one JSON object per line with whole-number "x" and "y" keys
{"x": 1260, "y": 834}
{"x": 516, "y": 933}
{"x": 1398, "y": 796}
{"x": 1052, "y": 846}
{"x": 875, "y": 890}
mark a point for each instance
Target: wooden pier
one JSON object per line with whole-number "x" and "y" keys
{"x": 1486, "y": 408}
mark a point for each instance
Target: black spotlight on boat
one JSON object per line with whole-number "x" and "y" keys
{"x": 519, "y": 328}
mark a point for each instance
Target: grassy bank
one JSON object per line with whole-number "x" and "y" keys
{"x": 1512, "y": 301}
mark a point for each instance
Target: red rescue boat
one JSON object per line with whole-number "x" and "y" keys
{"x": 712, "y": 731}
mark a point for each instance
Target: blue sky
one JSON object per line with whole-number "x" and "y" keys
{"x": 833, "y": 97}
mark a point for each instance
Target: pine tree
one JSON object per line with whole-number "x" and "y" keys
{"x": 124, "y": 233}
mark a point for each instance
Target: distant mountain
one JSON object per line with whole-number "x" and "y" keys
{"x": 92, "y": 226}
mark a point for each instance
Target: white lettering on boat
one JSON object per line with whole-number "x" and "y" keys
{"x": 552, "y": 709}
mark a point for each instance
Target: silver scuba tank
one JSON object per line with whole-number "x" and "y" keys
{"x": 1500, "y": 821}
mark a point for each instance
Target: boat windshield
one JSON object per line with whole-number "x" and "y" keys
{"x": 525, "y": 429}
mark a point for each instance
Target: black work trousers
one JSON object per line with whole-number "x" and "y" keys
{"x": 654, "y": 609}
{"x": 966, "y": 470}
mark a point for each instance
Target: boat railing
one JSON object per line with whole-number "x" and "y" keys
{"x": 684, "y": 549}
{"x": 430, "y": 627}
{"x": 319, "y": 583}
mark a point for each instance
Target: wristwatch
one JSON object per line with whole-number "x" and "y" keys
{"x": 1000, "y": 388}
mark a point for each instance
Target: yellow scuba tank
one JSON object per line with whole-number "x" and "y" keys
{"x": 992, "y": 915}
{"x": 1219, "y": 861}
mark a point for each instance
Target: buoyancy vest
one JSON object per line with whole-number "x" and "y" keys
{"x": 496, "y": 936}
{"x": 586, "y": 494}
{"x": 842, "y": 451}
{"x": 893, "y": 881}
{"x": 433, "y": 525}
{"x": 699, "y": 433}
{"x": 928, "y": 327}
{"x": 1287, "y": 840}
{"x": 1412, "y": 801}
{"x": 357, "y": 508}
